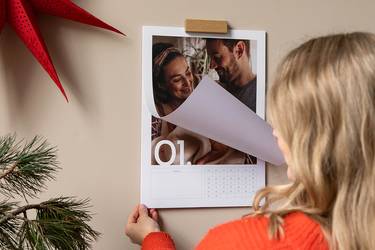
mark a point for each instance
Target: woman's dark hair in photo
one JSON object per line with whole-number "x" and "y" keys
{"x": 162, "y": 55}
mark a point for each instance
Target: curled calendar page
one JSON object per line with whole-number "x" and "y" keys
{"x": 204, "y": 140}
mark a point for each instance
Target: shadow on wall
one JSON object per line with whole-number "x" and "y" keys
{"x": 18, "y": 69}
{"x": 62, "y": 57}
{"x": 22, "y": 84}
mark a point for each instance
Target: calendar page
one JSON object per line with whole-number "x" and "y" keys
{"x": 204, "y": 138}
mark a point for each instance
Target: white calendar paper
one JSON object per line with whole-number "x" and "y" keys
{"x": 204, "y": 140}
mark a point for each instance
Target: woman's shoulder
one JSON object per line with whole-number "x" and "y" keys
{"x": 301, "y": 232}
{"x": 258, "y": 222}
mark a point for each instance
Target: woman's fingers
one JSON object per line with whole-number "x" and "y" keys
{"x": 142, "y": 210}
{"x": 154, "y": 214}
{"x": 133, "y": 217}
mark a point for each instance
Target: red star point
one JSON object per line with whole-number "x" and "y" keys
{"x": 20, "y": 15}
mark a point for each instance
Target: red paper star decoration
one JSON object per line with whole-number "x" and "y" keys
{"x": 20, "y": 14}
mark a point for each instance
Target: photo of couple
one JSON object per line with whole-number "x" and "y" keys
{"x": 178, "y": 64}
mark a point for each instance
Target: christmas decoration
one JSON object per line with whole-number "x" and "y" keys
{"x": 59, "y": 223}
{"x": 20, "y": 15}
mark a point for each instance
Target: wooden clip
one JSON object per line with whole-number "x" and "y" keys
{"x": 206, "y": 26}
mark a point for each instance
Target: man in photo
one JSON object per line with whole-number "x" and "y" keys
{"x": 231, "y": 60}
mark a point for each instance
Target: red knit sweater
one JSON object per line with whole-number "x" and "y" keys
{"x": 301, "y": 233}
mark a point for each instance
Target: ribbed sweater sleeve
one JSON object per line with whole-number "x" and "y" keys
{"x": 240, "y": 235}
{"x": 158, "y": 241}
{"x": 301, "y": 232}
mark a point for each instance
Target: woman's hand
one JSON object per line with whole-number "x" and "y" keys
{"x": 141, "y": 222}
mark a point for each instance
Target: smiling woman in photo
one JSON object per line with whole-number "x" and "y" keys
{"x": 173, "y": 80}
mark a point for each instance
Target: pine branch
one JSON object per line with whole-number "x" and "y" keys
{"x": 7, "y": 171}
{"x": 6, "y": 207}
{"x": 24, "y": 169}
{"x": 63, "y": 223}
{"x": 8, "y": 228}
{"x": 7, "y": 241}
{"x": 60, "y": 223}
{"x": 13, "y": 214}
{"x": 7, "y": 155}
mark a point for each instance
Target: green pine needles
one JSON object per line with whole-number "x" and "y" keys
{"x": 59, "y": 223}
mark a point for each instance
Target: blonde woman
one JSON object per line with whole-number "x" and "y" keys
{"x": 322, "y": 107}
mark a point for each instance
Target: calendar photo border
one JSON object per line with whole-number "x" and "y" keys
{"x": 149, "y": 172}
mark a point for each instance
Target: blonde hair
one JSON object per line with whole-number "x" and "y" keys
{"x": 322, "y": 104}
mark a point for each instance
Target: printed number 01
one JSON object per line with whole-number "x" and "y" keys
{"x": 173, "y": 152}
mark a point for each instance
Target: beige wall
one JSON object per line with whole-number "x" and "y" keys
{"x": 98, "y": 132}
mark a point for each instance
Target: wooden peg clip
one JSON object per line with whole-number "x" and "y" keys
{"x": 206, "y": 26}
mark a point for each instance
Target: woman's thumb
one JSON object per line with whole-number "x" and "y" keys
{"x": 143, "y": 210}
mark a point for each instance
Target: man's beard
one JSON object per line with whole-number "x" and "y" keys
{"x": 223, "y": 75}
{"x": 229, "y": 74}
